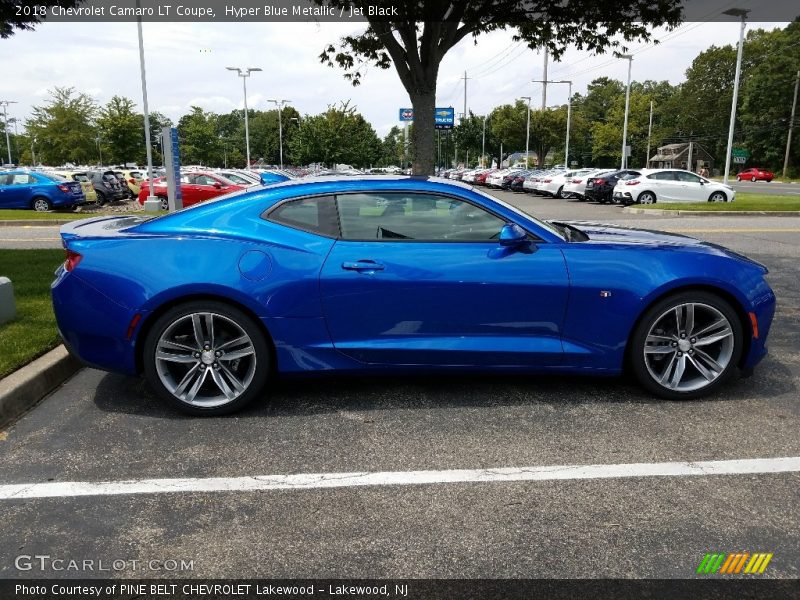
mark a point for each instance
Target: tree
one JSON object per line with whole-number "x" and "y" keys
{"x": 13, "y": 13}
{"x": 417, "y": 40}
{"x": 392, "y": 148}
{"x": 198, "y": 138}
{"x": 548, "y": 131}
{"x": 340, "y": 135}
{"x": 469, "y": 136}
{"x": 508, "y": 126}
{"x": 121, "y": 131}
{"x": 64, "y": 128}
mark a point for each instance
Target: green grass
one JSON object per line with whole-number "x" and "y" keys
{"x": 33, "y": 332}
{"x": 743, "y": 202}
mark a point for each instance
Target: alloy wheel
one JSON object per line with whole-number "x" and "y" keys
{"x": 41, "y": 205}
{"x": 688, "y": 347}
{"x": 205, "y": 359}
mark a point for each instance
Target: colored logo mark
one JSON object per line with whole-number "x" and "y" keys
{"x": 734, "y": 564}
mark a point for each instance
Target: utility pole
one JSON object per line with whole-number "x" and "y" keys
{"x": 791, "y": 125}
{"x": 4, "y": 104}
{"x": 742, "y": 14}
{"x": 689, "y": 159}
{"x": 465, "y": 96}
{"x": 527, "y": 131}
{"x": 544, "y": 79}
{"x": 624, "y": 162}
{"x": 649, "y": 133}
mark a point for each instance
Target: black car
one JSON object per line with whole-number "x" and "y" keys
{"x": 107, "y": 186}
{"x": 518, "y": 180}
{"x": 600, "y": 188}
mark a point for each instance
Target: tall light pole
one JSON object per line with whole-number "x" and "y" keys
{"x": 527, "y": 131}
{"x": 483, "y": 142}
{"x": 99, "y": 150}
{"x": 649, "y": 133}
{"x": 280, "y": 104}
{"x": 244, "y": 73}
{"x": 624, "y": 162}
{"x": 742, "y": 14}
{"x": 33, "y": 153}
{"x": 4, "y": 104}
{"x": 151, "y": 203}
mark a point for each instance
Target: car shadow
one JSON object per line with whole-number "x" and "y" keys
{"x": 314, "y": 395}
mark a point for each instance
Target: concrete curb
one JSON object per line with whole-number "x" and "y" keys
{"x": 36, "y": 223}
{"x": 711, "y": 213}
{"x": 26, "y": 386}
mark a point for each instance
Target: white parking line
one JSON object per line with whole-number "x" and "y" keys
{"x": 398, "y": 478}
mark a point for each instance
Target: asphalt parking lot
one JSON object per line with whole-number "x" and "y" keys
{"x": 104, "y": 427}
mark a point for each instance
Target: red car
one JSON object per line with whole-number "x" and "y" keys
{"x": 755, "y": 174}
{"x": 481, "y": 177}
{"x": 196, "y": 186}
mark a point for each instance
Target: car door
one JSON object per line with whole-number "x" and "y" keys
{"x": 17, "y": 190}
{"x": 690, "y": 187}
{"x": 665, "y": 186}
{"x": 418, "y": 278}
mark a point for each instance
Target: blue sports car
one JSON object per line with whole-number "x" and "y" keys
{"x": 392, "y": 274}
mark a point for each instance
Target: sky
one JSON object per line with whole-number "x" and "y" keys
{"x": 186, "y": 67}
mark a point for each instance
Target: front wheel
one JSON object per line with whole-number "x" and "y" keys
{"x": 718, "y": 197}
{"x": 753, "y": 179}
{"x": 206, "y": 358}
{"x": 687, "y": 346}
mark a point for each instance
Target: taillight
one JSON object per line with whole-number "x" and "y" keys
{"x": 64, "y": 188}
{"x": 598, "y": 182}
{"x": 72, "y": 260}
{"x": 633, "y": 182}
{"x": 577, "y": 180}
{"x": 547, "y": 180}
{"x": 132, "y": 181}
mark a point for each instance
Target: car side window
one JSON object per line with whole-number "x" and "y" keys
{"x": 205, "y": 180}
{"x": 688, "y": 177}
{"x": 315, "y": 215}
{"x": 413, "y": 216}
{"x": 20, "y": 179}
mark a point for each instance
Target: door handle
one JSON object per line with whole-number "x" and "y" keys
{"x": 362, "y": 265}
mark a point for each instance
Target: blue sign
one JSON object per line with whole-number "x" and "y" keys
{"x": 406, "y": 114}
{"x": 176, "y": 165}
{"x": 444, "y": 118}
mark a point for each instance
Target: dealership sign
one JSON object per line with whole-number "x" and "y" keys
{"x": 443, "y": 118}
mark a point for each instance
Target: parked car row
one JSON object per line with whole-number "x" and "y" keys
{"x": 605, "y": 186}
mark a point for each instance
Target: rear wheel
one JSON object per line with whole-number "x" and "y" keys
{"x": 206, "y": 358}
{"x": 101, "y": 198}
{"x": 647, "y": 198}
{"x": 687, "y": 346}
{"x": 41, "y": 204}
{"x": 753, "y": 179}
{"x": 164, "y": 203}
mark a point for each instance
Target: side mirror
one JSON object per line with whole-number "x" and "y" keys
{"x": 218, "y": 185}
{"x": 512, "y": 235}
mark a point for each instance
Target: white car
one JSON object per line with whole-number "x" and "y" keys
{"x": 553, "y": 184}
{"x": 575, "y": 185}
{"x": 495, "y": 180}
{"x": 671, "y": 185}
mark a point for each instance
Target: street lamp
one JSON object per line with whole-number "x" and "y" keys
{"x": 33, "y": 154}
{"x": 742, "y": 14}
{"x": 624, "y": 162}
{"x": 280, "y": 104}
{"x": 99, "y": 150}
{"x": 527, "y": 131}
{"x": 152, "y": 203}
{"x": 4, "y": 104}
{"x": 244, "y": 73}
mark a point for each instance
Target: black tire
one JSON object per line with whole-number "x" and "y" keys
{"x": 649, "y": 319}
{"x": 101, "y": 198}
{"x": 257, "y": 371}
{"x": 164, "y": 203}
{"x": 41, "y": 204}
{"x": 753, "y": 179}
{"x": 646, "y": 198}
{"x": 718, "y": 197}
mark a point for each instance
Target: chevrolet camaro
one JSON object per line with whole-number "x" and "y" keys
{"x": 398, "y": 274}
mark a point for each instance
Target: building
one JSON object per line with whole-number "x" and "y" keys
{"x": 676, "y": 156}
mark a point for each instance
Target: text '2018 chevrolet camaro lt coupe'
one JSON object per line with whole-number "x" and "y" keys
{"x": 398, "y": 274}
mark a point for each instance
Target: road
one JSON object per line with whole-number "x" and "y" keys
{"x": 762, "y": 187}
{"x": 101, "y": 427}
